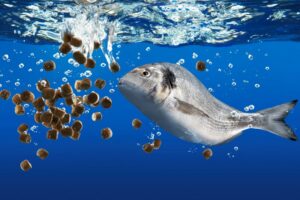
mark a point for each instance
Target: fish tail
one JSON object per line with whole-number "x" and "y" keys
{"x": 273, "y": 120}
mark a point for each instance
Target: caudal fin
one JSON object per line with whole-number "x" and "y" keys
{"x": 272, "y": 120}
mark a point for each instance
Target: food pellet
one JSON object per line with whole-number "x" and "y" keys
{"x": 25, "y": 138}
{"x": 66, "y": 132}
{"x": 58, "y": 126}
{"x": 148, "y": 148}
{"x": 25, "y": 165}
{"x": 96, "y": 116}
{"x": 47, "y": 117}
{"x": 47, "y": 125}
{"x": 58, "y": 94}
{"x": 55, "y": 121}
{"x": 27, "y": 96}
{"x": 114, "y": 67}
{"x": 85, "y": 84}
{"x": 66, "y": 119}
{"x": 78, "y": 109}
{"x": 75, "y": 135}
{"x": 76, "y": 42}
{"x": 52, "y": 134}
{"x": 50, "y": 102}
{"x": 157, "y": 144}
{"x": 91, "y": 98}
{"x": 42, "y": 84}
{"x": 77, "y": 85}
{"x": 97, "y": 45}
{"x": 77, "y": 126}
{"x": 23, "y": 128}
{"x": 49, "y": 65}
{"x": 99, "y": 83}
{"x": 200, "y": 66}
{"x": 4, "y": 94}
{"x": 90, "y": 63}
{"x": 65, "y": 48}
{"x": 48, "y": 93}
{"x": 42, "y": 153}
{"x": 69, "y": 100}
{"x": 106, "y": 102}
{"x": 79, "y": 57}
{"x": 106, "y": 133}
{"x": 66, "y": 90}
{"x": 67, "y": 37}
{"x": 37, "y": 117}
{"x": 39, "y": 104}
{"x": 136, "y": 123}
{"x": 207, "y": 153}
{"x": 60, "y": 113}
{"x": 19, "y": 110}
{"x": 16, "y": 99}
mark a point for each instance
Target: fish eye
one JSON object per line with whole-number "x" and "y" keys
{"x": 145, "y": 73}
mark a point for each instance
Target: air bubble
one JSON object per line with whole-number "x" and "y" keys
{"x": 111, "y": 90}
{"x": 251, "y": 107}
{"x": 236, "y": 148}
{"x": 267, "y": 68}
{"x": 194, "y": 56}
{"x": 181, "y": 61}
{"x": 21, "y": 65}
{"x": 64, "y": 79}
{"x": 230, "y": 65}
{"x": 103, "y": 65}
{"x": 17, "y": 84}
{"x": 256, "y": 85}
{"x": 5, "y": 57}
{"x": 148, "y": 49}
{"x": 233, "y": 84}
{"x": 56, "y": 56}
{"x": 250, "y": 57}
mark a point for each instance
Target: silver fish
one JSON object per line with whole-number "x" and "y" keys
{"x": 178, "y": 102}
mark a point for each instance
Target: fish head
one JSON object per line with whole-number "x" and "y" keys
{"x": 150, "y": 83}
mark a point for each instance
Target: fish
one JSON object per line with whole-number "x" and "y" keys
{"x": 178, "y": 102}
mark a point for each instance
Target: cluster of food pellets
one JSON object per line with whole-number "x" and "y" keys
{"x": 56, "y": 118}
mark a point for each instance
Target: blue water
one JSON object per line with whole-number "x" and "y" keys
{"x": 264, "y": 167}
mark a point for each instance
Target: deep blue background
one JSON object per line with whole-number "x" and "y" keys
{"x": 264, "y": 167}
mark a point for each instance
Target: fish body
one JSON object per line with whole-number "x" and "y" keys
{"x": 178, "y": 102}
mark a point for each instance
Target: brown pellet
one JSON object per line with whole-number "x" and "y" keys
{"x": 200, "y": 66}
{"x": 52, "y": 134}
{"x": 77, "y": 126}
{"x": 66, "y": 90}
{"x": 207, "y": 153}
{"x": 96, "y": 116}
{"x": 58, "y": 126}
{"x": 50, "y": 102}
{"x": 86, "y": 84}
{"x": 90, "y": 63}
{"x": 42, "y": 153}
{"x": 99, "y": 83}
{"x": 91, "y": 98}
{"x": 37, "y": 117}
{"x": 25, "y": 165}
{"x": 27, "y": 96}
{"x": 66, "y": 119}
{"x": 114, "y": 67}
{"x": 16, "y": 99}
{"x": 67, "y": 37}
{"x": 75, "y": 135}
{"x": 49, "y": 65}
{"x": 60, "y": 113}
{"x": 77, "y": 110}
{"x": 19, "y": 110}
{"x": 47, "y": 117}
{"x": 76, "y": 42}
{"x": 69, "y": 101}
{"x": 77, "y": 85}
{"x": 39, "y": 104}
{"x": 58, "y": 94}
{"x": 25, "y": 138}
{"x": 40, "y": 85}
{"x": 23, "y": 128}
{"x": 136, "y": 123}
{"x": 48, "y": 93}
{"x": 55, "y": 121}
{"x": 106, "y": 102}
{"x": 96, "y": 104}
{"x": 4, "y": 94}
{"x": 96, "y": 45}
{"x": 65, "y": 48}
{"x": 106, "y": 133}
{"x": 157, "y": 144}
{"x": 148, "y": 148}
{"x": 66, "y": 132}
{"x": 79, "y": 57}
